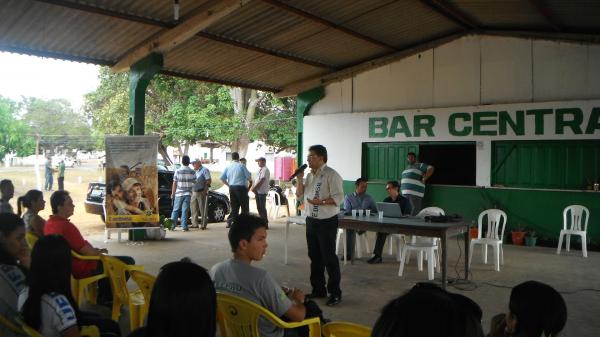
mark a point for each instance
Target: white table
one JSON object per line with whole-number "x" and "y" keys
{"x": 299, "y": 220}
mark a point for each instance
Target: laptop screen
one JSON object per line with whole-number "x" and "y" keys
{"x": 390, "y": 209}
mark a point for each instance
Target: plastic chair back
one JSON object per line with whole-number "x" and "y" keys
{"x": 117, "y": 270}
{"x": 31, "y": 239}
{"x": 274, "y": 197}
{"x": 345, "y": 329}
{"x": 145, "y": 281}
{"x": 239, "y": 317}
{"x": 86, "y": 286}
{"x": 496, "y": 223}
{"x": 430, "y": 211}
{"x": 574, "y": 215}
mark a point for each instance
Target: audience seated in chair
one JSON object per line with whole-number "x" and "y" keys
{"x": 14, "y": 261}
{"x": 427, "y": 310}
{"x": 359, "y": 199}
{"x": 50, "y": 307}
{"x": 248, "y": 240}
{"x": 183, "y": 303}
{"x": 535, "y": 309}
{"x": 34, "y": 201}
{"x": 58, "y": 223}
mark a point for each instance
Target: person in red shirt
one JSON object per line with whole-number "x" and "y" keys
{"x": 58, "y": 223}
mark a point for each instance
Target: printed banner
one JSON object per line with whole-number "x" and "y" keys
{"x": 131, "y": 181}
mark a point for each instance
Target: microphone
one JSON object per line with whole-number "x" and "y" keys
{"x": 298, "y": 171}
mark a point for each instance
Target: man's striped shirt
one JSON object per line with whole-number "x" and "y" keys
{"x": 412, "y": 179}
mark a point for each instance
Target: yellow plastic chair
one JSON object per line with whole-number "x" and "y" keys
{"x": 146, "y": 282}
{"x": 117, "y": 270}
{"x": 345, "y": 329}
{"x": 21, "y": 329}
{"x": 86, "y": 287}
{"x": 239, "y": 317}
{"x": 31, "y": 239}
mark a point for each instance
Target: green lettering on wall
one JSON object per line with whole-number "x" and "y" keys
{"x": 574, "y": 123}
{"x": 594, "y": 122}
{"x": 424, "y": 122}
{"x": 399, "y": 125}
{"x": 378, "y": 127}
{"x": 517, "y": 125}
{"x": 484, "y": 118}
{"x": 539, "y": 119}
{"x": 452, "y": 124}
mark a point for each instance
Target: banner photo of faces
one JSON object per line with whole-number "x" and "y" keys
{"x": 131, "y": 181}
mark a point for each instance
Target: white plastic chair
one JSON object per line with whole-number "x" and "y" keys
{"x": 341, "y": 239}
{"x": 275, "y": 201}
{"x": 576, "y": 216}
{"x": 496, "y": 223}
{"x": 429, "y": 246}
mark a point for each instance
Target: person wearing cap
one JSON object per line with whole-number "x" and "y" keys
{"x": 181, "y": 192}
{"x": 260, "y": 188}
{"x": 199, "y": 193}
{"x": 133, "y": 193}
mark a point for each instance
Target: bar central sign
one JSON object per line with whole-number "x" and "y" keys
{"x": 517, "y": 122}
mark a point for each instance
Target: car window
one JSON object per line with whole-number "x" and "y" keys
{"x": 165, "y": 179}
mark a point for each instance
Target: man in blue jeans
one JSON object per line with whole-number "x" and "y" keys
{"x": 181, "y": 192}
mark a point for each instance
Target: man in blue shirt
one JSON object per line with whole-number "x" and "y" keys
{"x": 359, "y": 199}
{"x": 237, "y": 177}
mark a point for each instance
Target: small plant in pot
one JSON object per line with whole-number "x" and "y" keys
{"x": 531, "y": 239}
{"x": 518, "y": 235}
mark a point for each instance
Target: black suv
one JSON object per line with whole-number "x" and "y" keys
{"x": 218, "y": 203}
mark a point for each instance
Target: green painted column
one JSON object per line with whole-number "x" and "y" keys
{"x": 139, "y": 77}
{"x": 304, "y": 101}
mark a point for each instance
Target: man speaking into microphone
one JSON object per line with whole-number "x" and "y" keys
{"x": 322, "y": 193}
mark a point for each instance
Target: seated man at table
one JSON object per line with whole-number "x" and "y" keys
{"x": 393, "y": 190}
{"x": 248, "y": 240}
{"x": 359, "y": 199}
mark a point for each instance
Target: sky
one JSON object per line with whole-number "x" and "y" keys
{"x": 32, "y": 76}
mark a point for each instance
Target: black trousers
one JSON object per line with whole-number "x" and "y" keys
{"x": 61, "y": 183}
{"x": 320, "y": 239}
{"x": 261, "y": 206}
{"x": 239, "y": 198}
{"x": 379, "y": 242}
{"x": 106, "y": 326}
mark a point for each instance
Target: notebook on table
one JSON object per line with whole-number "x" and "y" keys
{"x": 390, "y": 209}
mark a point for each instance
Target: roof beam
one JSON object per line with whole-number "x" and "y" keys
{"x": 311, "y": 17}
{"x": 545, "y": 12}
{"x": 218, "y": 81}
{"x": 307, "y": 83}
{"x": 209, "y": 36}
{"x": 201, "y": 18}
{"x": 54, "y": 55}
{"x": 452, "y": 13}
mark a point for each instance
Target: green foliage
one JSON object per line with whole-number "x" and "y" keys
{"x": 57, "y": 124}
{"x": 15, "y": 135}
{"x": 186, "y": 112}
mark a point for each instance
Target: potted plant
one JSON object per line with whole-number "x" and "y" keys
{"x": 531, "y": 239}
{"x": 518, "y": 235}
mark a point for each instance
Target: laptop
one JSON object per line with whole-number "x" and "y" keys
{"x": 390, "y": 209}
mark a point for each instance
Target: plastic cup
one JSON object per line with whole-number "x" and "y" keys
{"x": 360, "y": 212}
{"x": 354, "y": 213}
{"x": 380, "y": 214}
{"x": 367, "y": 212}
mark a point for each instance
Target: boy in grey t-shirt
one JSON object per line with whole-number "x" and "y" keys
{"x": 248, "y": 239}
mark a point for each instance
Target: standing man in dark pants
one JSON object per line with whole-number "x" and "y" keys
{"x": 322, "y": 193}
{"x": 236, "y": 176}
{"x": 261, "y": 188}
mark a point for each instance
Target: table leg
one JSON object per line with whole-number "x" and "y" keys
{"x": 285, "y": 249}
{"x": 467, "y": 254}
{"x": 444, "y": 260}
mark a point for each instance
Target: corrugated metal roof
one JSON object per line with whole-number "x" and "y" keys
{"x": 274, "y": 44}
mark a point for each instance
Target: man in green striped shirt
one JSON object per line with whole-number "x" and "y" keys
{"x": 413, "y": 181}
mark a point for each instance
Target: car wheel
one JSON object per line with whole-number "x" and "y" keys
{"x": 217, "y": 213}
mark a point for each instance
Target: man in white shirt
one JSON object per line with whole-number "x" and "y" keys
{"x": 322, "y": 192}
{"x": 260, "y": 188}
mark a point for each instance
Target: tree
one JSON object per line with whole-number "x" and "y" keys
{"x": 14, "y": 134}
{"x": 184, "y": 112}
{"x": 57, "y": 124}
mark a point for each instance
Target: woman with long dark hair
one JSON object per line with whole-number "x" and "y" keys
{"x": 50, "y": 307}
{"x": 183, "y": 303}
{"x": 14, "y": 261}
{"x": 34, "y": 201}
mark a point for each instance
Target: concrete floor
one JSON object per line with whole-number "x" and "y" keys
{"x": 367, "y": 288}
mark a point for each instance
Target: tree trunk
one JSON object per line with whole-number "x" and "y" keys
{"x": 244, "y": 104}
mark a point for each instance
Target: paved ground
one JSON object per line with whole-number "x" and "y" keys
{"x": 368, "y": 287}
